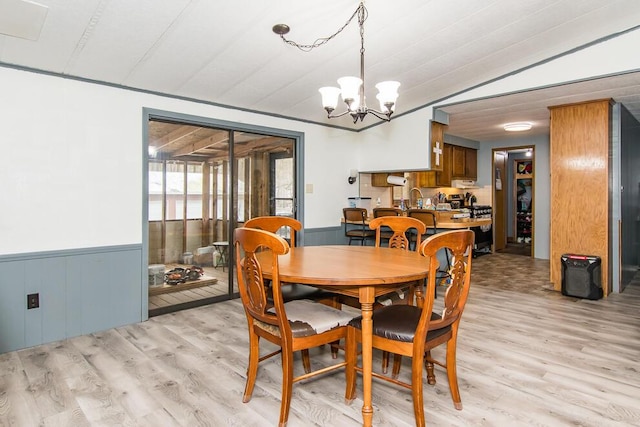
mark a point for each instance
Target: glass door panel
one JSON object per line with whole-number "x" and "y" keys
{"x": 203, "y": 183}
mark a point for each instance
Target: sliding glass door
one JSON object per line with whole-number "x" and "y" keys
{"x": 203, "y": 183}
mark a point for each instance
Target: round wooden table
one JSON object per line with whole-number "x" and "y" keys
{"x": 364, "y": 272}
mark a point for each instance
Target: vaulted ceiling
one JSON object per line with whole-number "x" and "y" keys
{"x": 226, "y": 53}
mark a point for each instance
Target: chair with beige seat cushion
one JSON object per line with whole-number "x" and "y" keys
{"x": 412, "y": 331}
{"x": 293, "y": 326}
{"x": 293, "y": 291}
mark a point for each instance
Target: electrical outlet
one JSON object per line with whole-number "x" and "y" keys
{"x": 33, "y": 301}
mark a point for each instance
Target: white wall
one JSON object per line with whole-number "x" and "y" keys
{"x": 73, "y": 151}
{"x": 73, "y": 155}
{"x": 402, "y": 144}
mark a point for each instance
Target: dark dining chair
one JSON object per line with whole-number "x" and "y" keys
{"x": 292, "y": 326}
{"x": 355, "y": 225}
{"x": 413, "y": 331}
{"x": 401, "y": 227}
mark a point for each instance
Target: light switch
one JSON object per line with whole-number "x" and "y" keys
{"x": 308, "y": 188}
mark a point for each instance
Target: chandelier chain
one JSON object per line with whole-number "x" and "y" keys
{"x": 361, "y": 12}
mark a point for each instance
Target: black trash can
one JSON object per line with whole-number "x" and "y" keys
{"x": 581, "y": 276}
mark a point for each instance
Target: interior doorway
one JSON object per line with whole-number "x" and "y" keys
{"x": 513, "y": 195}
{"x": 203, "y": 182}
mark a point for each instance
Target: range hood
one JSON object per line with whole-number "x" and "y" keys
{"x": 463, "y": 183}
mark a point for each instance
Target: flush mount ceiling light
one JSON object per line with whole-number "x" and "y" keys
{"x": 518, "y": 127}
{"x": 351, "y": 88}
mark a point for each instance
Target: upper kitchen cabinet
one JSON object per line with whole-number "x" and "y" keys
{"x": 441, "y": 178}
{"x": 464, "y": 162}
{"x": 437, "y": 146}
{"x": 380, "y": 179}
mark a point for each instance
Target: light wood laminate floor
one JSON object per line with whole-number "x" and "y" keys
{"x": 527, "y": 356}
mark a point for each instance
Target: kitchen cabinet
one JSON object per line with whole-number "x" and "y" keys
{"x": 437, "y": 145}
{"x": 464, "y": 162}
{"x": 442, "y": 178}
{"x": 380, "y": 179}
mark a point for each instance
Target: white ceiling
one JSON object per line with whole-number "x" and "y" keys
{"x": 484, "y": 119}
{"x": 226, "y": 53}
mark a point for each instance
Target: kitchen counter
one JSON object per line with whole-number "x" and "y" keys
{"x": 447, "y": 223}
{"x": 454, "y": 224}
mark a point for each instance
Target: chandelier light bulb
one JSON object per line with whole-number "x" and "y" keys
{"x": 329, "y": 97}
{"x": 383, "y": 106}
{"x": 350, "y": 87}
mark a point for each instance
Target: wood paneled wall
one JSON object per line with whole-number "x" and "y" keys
{"x": 579, "y": 164}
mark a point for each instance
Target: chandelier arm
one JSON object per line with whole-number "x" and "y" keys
{"x": 379, "y": 114}
{"x": 323, "y": 40}
{"x": 333, "y": 116}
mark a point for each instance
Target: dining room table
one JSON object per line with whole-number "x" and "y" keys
{"x": 363, "y": 272}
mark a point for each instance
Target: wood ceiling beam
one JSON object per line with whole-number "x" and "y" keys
{"x": 173, "y": 136}
{"x": 209, "y": 142}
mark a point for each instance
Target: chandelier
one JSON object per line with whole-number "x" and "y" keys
{"x": 351, "y": 88}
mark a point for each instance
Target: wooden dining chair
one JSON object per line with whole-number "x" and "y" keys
{"x": 400, "y": 228}
{"x": 276, "y": 224}
{"x": 294, "y": 291}
{"x": 290, "y": 291}
{"x": 355, "y": 225}
{"x": 428, "y": 218}
{"x": 385, "y": 233}
{"x": 408, "y": 330}
{"x": 293, "y": 326}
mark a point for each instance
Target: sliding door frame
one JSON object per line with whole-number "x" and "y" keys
{"x": 162, "y": 115}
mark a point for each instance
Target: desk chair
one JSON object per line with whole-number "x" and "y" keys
{"x": 355, "y": 225}
{"x": 293, "y": 326}
{"x": 407, "y": 330}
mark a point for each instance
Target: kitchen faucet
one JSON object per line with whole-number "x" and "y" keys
{"x": 419, "y": 192}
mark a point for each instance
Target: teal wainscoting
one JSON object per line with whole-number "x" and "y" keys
{"x": 81, "y": 291}
{"x": 324, "y": 236}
